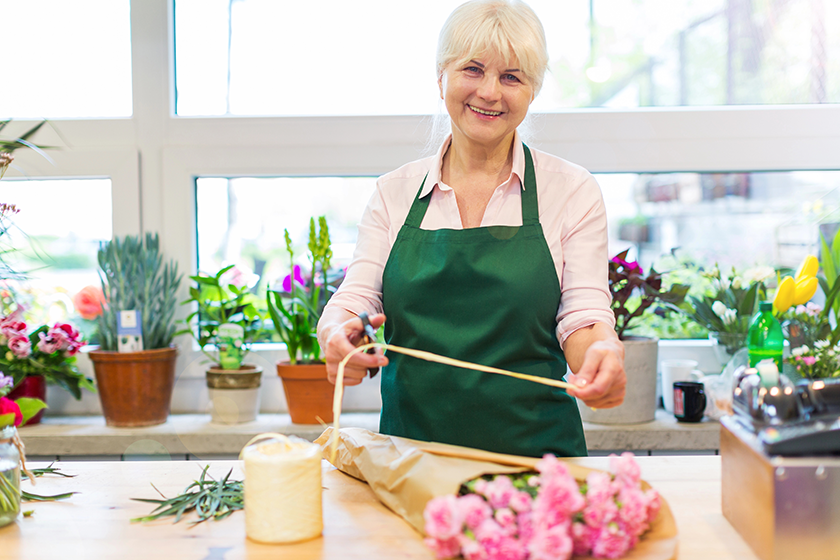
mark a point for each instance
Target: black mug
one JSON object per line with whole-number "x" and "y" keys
{"x": 689, "y": 401}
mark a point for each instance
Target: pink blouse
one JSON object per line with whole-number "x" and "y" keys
{"x": 571, "y": 213}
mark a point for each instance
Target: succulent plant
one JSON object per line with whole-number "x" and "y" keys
{"x": 134, "y": 277}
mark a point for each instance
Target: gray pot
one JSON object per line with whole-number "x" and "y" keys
{"x": 640, "y": 359}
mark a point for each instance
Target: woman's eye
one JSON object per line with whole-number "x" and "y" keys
{"x": 473, "y": 69}
{"x": 510, "y": 78}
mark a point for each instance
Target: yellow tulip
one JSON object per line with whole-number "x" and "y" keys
{"x": 784, "y": 294}
{"x": 804, "y": 290}
{"x": 808, "y": 269}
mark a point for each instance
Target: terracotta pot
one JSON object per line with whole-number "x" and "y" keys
{"x": 135, "y": 388}
{"x": 234, "y": 393}
{"x": 34, "y": 387}
{"x": 308, "y": 392}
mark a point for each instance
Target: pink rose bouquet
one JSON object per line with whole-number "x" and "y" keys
{"x": 47, "y": 351}
{"x": 543, "y": 515}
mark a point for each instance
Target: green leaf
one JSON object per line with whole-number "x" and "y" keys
{"x": 30, "y": 407}
{"x": 7, "y": 420}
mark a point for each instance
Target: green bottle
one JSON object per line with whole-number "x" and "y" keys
{"x": 765, "y": 339}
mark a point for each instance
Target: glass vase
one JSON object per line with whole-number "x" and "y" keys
{"x": 727, "y": 344}
{"x": 9, "y": 477}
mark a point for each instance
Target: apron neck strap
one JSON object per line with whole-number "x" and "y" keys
{"x": 530, "y": 209}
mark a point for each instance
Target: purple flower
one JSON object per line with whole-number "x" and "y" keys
{"x": 629, "y": 266}
{"x": 287, "y": 281}
{"x": 6, "y": 381}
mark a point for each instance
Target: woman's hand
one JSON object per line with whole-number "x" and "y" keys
{"x": 343, "y": 338}
{"x": 600, "y": 380}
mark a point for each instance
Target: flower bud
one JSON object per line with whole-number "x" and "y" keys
{"x": 804, "y": 290}
{"x": 808, "y": 269}
{"x": 784, "y": 294}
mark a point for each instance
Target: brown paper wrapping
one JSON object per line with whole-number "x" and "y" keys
{"x": 405, "y": 474}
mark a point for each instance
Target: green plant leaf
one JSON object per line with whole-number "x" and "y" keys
{"x": 7, "y": 420}
{"x": 30, "y": 407}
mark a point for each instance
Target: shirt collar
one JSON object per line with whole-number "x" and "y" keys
{"x": 517, "y": 165}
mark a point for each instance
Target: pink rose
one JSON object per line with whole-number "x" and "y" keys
{"x": 8, "y": 406}
{"x": 443, "y": 517}
{"x": 506, "y": 520}
{"x": 521, "y": 502}
{"x": 809, "y": 360}
{"x": 497, "y": 544}
{"x": 20, "y": 346}
{"x": 89, "y": 302}
{"x": 583, "y": 537}
{"x": 444, "y": 548}
{"x": 471, "y": 550}
{"x": 611, "y": 542}
{"x": 626, "y": 469}
{"x": 474, "y": 510}
{"x": 559, "y": 498}
{"x": 633, "y": 511}
{"x": 551, "y": 544}
{"x": 499, "y": 491}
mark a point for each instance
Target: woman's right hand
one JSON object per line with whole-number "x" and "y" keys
{"x": 343, "y": 338}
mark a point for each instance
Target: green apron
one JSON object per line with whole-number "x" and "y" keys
{"x": 485, "y": 295}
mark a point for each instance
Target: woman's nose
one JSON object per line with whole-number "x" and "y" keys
{"x": 489, "y": 89}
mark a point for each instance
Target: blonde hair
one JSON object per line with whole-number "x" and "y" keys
{"x": 509, "y": 28}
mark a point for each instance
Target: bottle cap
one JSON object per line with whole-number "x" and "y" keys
{"x": 765, "y": 306}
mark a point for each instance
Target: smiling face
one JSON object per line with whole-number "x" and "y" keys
{"x": 487, "y": 98}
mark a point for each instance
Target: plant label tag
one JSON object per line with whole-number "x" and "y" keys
{"x": 229, "y": 338}
{"x": 129, "y": 331}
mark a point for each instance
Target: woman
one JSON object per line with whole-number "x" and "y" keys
{"x": 468, "y": 253}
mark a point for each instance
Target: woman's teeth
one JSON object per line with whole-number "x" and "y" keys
{"x": 483, "y": 112}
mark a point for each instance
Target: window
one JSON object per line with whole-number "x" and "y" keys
{"x": 54, "y": 239}
{"x": 242, "y": 220}
{"x": 66, "y": 59}
{"x": 260, "y": 57}
{"x": 734, "y": 219}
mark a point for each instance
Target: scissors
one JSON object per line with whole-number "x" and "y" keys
{"x": 369, "y": 337}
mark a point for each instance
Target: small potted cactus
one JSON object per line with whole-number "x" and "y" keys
{"x": 135, "y": 362}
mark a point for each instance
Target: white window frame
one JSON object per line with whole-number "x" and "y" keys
{"x": 153, "y": 157}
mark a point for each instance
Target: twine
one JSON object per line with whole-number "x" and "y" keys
{"x": 17, "y": 442}
{"x": 429, "y": 357}
{"x": 282, "y": 491}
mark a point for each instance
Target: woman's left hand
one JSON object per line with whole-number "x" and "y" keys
{"x": 600, "y": 381}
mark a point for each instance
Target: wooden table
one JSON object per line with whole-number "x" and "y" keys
{"x": 95, "y": 523}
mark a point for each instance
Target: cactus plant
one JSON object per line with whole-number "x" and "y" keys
{"x": 134, "y": 276}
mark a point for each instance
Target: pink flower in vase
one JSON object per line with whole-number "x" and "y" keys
{"x": 8, "y": 406}
{"x": 20, "y": 346}
{"x": 49, "y": 343}
{"x": 298, "y": 278}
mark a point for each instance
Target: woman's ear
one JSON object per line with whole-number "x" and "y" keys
{"x": 440, "y": 84}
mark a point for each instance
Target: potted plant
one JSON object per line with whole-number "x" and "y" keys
{"x": 135, "y": 362}
{"x": 227, "y": 321}
{"x": 44, "y": 356}
{"x": 633, "y": 292}
{"x": 727, "y": 311}
{"x": 294, "y": 312}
